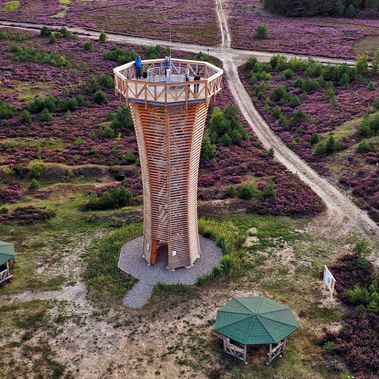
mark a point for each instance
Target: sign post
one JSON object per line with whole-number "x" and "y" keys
{"x": 329, "y": 281}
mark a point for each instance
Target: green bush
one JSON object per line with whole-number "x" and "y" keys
{"x": 364, "y": 147}
{"x": 45, "y": 32}
{"x": 208, "y": 149}
{"x": 119, "y": 55}
{"x": 106, "y": 81}
{"x": 261, "y": 32}
{"x": 88, "y": 45}
{"x": 298, "y": 118}
{"x": 130, "y": 158}
{"x": 225, "y": 126}
{"x": 11, "y": 36}
{"x": 36, "y": 170}
{"x": 105, "y": 132}
{"x": 112, "y": 199}
{"x": 329, "y": 347}
{"x": 103, "y": 37}
{"x": 280, "y": 93}
{"x": 34, "y": 185}
{"x": 45, "y": 116}
{"x": 99, "y": 97}
{"x": 314, "y": 139}
{"x": 287, "y": 74}
{"x": 122, "y": 120}
{"x": 34, "y": 54}
{"x": 6, "y": 110}
{"x": 25, "y": 117}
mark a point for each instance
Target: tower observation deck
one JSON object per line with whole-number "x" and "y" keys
{"x": 169, "y": 109}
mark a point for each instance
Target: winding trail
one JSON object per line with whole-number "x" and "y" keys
{"x": 343, "y": 215}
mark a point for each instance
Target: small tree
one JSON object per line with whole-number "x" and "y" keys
{"x": 362, "y": 64}
{"x": 261, "y": 32}
{"x": 25, "y": 117}
{"x": 45, "y": 116}
{"x": 34, "y": 185}
{"x": 88, "y": 46}
{"x": 103, "y": 37}
{"x": 208, "y": 149}
{"x": 45, "y": 32}
{"x": 99, "y": 97}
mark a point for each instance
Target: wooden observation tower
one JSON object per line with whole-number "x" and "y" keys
{"x": 169, "y": 109}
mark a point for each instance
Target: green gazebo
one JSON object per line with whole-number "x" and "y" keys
{"x": 7, "y": 255}
{"x": 255, "y": 321}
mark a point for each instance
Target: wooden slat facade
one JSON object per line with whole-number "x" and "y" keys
{"x": 169, "y": 136}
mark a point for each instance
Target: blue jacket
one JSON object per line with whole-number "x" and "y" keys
{"x": 138, "y": 62}
{"x": 167, "y": 63}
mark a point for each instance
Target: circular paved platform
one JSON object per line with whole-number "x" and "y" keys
{"x": 131, "y": 262}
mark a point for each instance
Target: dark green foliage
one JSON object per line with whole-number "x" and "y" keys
{"x": 105, "y": 132}
{"x": 25, "y": 117}
{"x": 88, "y": 45}
{"x": 157, "y": 51}
{"x": 279, "y": 94}
{"x": 45, "y": 32}
{"x": 99, "y": 97}
{"x": 364, "y": 147}
{"x": 122, "y": 120}
{"x": 327, "y": 147}
{"x": 298, "y": 118}
{"x": 106, "y": 81}
{"x": 315, "y": 138}
{"x": 248, "y": 191}
{"x": 225, "y": 126}
{"x": 113, "y": 199}
{"x": 131, "y": 158}
{"x": 287, "y": 74}
{"x": 261, "y": 32}
{"x": 295, "y": 101}
{"x": 208, "y": 149}
{"x": 34, "y": 54}
{"x": 45, "y": 116}
{"x": 11, "y": 36}
{"x": 369, "y": 127}
{"x": 375, "y": 104}
{"x": 34, "y": 185}
{"x": 6, "y": 110}
{"x": 119, "y": 55}
{"x": 103, "y": 37}
{"x": 91, "y": 86}
{"x": 38, "y": 104}
{"x": 36, "y": 170}
{"x": 301, "y": 8}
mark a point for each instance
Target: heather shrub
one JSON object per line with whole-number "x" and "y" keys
{"x": 261, "y": 32}
{"x": 113, "y": 199}
{"x": 6, "y": 110}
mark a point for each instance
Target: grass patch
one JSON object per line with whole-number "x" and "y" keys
{"x": 65, "y": 2}
{"x": 11, "y": 5}
{"x": 105, "y": 281}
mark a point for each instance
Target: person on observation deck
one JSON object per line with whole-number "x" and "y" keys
{"x": 196, "y": 86}
{"x": 138, "y": 65}
{"x": 166, "y": 65}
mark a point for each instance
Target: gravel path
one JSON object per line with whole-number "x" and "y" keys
{"x": 132, "y": 263}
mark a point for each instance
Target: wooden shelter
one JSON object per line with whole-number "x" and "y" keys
{"x": 245, "y": 321}
{"x": 169, "y": 109}
{"x": 7, "y": 255}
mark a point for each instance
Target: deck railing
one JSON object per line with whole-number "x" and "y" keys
{"x": 173, "y": 88}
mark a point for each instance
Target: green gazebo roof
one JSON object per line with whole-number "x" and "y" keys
{"x": 255, "y": 320}
{"x": 7, "y": 252}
